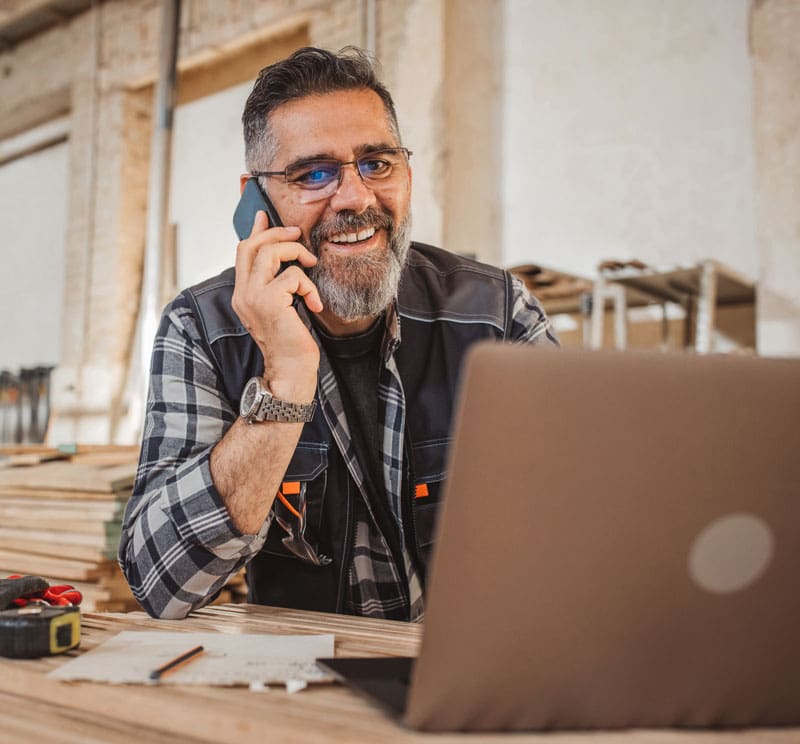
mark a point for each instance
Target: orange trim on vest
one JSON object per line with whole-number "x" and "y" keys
{"x": 421, "y": 491}
{"x": 286, "y": 503}
{"x": 291, "y": 488}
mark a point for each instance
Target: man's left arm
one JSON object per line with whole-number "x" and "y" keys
{"x": 529, "y": 323}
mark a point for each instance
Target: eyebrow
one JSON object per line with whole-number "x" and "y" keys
{"x": 360, "y": 151}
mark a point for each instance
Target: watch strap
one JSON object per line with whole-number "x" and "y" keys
{"x": 275, "y": 409}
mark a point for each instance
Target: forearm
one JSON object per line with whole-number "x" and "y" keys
{"x": 189, "y": 532}
{"x": 178, "y": 545}
{"x": 247, "y": 467}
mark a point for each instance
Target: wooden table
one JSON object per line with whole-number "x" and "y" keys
{"x": 701, "y": 290}
{"x": 34, "y": 706}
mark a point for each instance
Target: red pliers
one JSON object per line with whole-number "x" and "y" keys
{"x": 58, "y": 595}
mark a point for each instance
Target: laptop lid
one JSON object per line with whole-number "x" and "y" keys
{"x": 619, "y": 545}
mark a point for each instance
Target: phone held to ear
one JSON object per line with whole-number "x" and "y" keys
{"x": 254, "y": 200}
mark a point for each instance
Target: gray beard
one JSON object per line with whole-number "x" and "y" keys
{"x": 363, "y": 285}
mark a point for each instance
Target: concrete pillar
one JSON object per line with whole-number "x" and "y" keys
{"x": 775, "y": 48}
{"x": 473, "y": 128}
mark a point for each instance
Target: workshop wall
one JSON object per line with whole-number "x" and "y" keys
{"x": 635, "y": 121}
{"x": 559, "y": 132}
{"x": 99, "y": 69}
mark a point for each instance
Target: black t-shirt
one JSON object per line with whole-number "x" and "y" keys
{"x": 356, "y": 362}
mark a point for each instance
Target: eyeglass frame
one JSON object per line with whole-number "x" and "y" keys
{"x": 341, "y": 163}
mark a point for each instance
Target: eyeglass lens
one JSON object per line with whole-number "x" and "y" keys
{"x": 319, "y": 179}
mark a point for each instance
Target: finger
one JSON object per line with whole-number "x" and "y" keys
{"x": 245, "y": 251}
{"x": 267, "y": 262}
{"x": 310, "y": 297}
{"x": 248, "y": 249}
{"x": 296, "y": 282}
{"x": 260, "y": 223}
{"x": 274, "y": 234}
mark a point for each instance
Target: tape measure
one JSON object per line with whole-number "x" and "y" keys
{"x": 39, "y": 630}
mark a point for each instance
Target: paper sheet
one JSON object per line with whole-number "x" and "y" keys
{"x": 228, "y": 659}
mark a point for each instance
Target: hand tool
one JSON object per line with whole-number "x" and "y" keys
{"x": 44, "y": 619}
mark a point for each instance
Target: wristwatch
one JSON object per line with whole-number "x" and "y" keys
{"x": 258, "y": 404}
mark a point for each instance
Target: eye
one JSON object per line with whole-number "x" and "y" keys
{"x": 314, "y": 175}
{"x": 374, "y": 167}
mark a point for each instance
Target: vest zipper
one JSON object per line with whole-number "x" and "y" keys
{"x": 350, "y": 546}
{"x": 410, "y": 482}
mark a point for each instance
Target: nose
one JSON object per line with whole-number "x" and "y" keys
{"x": 352, "y": 193}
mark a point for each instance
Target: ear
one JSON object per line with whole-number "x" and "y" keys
{"x": 243, "y": 179}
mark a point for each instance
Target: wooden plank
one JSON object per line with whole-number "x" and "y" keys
{"x": 102, "y": 596}
{"x": 52, "y": 568}
{"x": 104, "y": 540}
{"x": 33, "y": 511}
{"x": 71, "y": 450}
{"x": 101, "y": 449}
{"x": 58, "y": 529}
{"x": 53, "y": 494}
{"x": 115, "y": 582}
{"x": 26, "y": 449}
{"x": 69, "y": 476}
{"x": 59, "y": 550}
{"x": 29, "y": 459}
{"x": 106, "y": 458}
{"x": 88, "y": 454}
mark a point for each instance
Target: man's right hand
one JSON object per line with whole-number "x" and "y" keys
{"x": 263, "y": 300}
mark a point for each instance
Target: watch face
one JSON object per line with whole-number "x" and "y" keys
{"x": 248, "y": 400}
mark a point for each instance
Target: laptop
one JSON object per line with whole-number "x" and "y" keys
{"x": 619, "y": 547}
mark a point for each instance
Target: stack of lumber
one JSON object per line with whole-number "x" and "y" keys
{"x": 60, "y": 518}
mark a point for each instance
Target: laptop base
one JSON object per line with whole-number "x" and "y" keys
{"x": 385, "y": 680}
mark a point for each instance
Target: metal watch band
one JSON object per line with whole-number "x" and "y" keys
{"x": 258, "y": 404}
{"x": 275, "y": 409}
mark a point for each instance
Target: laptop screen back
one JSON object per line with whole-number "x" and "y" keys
{"x": 619, "y": 545}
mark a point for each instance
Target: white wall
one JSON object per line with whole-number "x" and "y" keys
{"x": 627, "y": 133}
{"x": 207, "y": 159}
{"x": 33, "y": 210}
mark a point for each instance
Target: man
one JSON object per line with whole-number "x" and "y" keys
{"x": 325, "y": 481}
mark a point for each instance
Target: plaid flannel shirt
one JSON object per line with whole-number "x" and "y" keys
{"x": 179, "y": 545}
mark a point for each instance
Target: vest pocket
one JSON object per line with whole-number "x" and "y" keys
{"x": 297, "y": 510}
{"x": 429, "y": 460}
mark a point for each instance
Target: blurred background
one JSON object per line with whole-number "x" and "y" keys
{"x": 637, "y": 162}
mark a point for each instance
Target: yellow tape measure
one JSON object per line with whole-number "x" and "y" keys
{"x": 39, "y": 630}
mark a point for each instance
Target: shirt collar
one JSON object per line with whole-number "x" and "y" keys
{"x": 391, "y": 334}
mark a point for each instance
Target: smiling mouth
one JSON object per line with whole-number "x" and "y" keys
{"x": 348, "y": 238}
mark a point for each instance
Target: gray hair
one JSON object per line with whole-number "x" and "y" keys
{"x": 308, "y": 71}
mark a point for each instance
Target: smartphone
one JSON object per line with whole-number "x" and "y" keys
{"x": 253, "y": 200}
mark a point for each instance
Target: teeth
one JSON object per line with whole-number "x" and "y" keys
{"x": 364, "y": 234}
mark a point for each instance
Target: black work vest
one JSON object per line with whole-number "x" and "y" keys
{"x": 446, "y": 303}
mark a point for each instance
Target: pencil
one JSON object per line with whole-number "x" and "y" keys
{"x": 173, "y": 664}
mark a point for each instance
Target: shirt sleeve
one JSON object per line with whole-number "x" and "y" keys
{"x": 529, "y": 323}
{"x": 178, "y": 545}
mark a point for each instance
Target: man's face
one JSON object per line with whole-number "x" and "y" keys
{"x": 355, "y": 279}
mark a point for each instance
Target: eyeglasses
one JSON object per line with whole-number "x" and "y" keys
{"x": 319, "y": 179}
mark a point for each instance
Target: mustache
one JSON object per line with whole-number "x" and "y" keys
{"x": 349, "y": 221}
